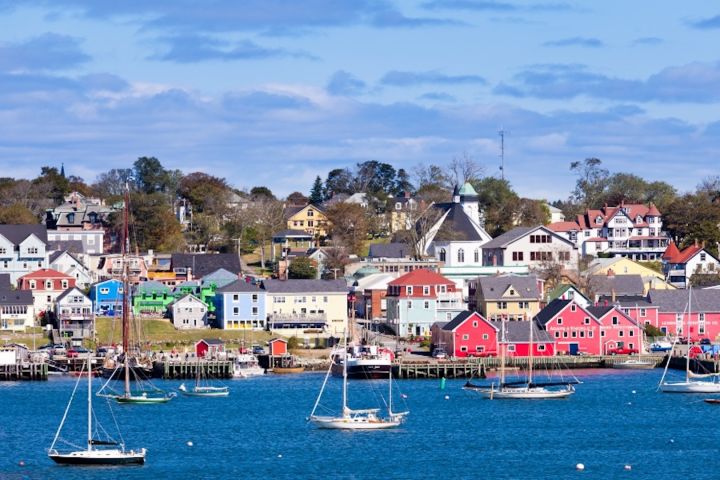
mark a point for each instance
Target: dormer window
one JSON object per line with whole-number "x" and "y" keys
{"x": 598, "y": 219}
{"x": 638, "y": 219}
{"x": 310, "y": 213}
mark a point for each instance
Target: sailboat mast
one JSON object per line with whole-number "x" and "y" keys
{"x": 687, "y": 335}
{"x": 530, "y": 355}
{"x": 89, "y": 406}
{"x": 125, "y": 323}
{"x": 345, "y": 358}
{"x": 502, "y": 352}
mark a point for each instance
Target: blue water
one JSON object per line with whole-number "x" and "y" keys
{"x": 260, "y": 431}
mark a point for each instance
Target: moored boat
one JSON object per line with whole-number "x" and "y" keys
{"x": 246, "y": 365}
{"x": 363, "y": 362}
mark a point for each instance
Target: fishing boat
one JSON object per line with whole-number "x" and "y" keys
{"x": 636, "y": 363}
{"x": 694, "y": 382}
{"x": 356, "y": 419}
{"x": 246, "y": 365}
{"x": 201, "y": 388}
{"x": 98, "y": 451}
{"x": 527, "y": 389}
{"x": 130, "y": 362}
{"x": 363, "y": 362}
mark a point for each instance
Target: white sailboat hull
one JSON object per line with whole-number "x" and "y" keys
{"x": 635, "y": 365}
{"x": 351, "y": 423}
{"x": 526, "y": 393}
{"x": 690, "y": 387}
{"x": 99, "y": 457}
{"x": 247, "y": 372}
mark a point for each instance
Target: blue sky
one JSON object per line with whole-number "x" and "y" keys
{"x": 275, "y": 92}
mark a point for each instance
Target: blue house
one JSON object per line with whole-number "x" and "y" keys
{"x": 240, "y": 305}
{"x": 106, "y": 297}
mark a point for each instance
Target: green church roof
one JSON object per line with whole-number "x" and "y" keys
{"x": 467, "y": 190}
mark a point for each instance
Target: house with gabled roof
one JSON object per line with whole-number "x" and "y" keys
{"x": 17, "y": 310}
{"x": 219, "y": 278}
{"x": 107, "y": 297}
{"x": 309, "y": 218}
{"x": 566, "y": 291}
{"x": 652, "y": 279}
{"x": 46, "y": 285}
{"x": 628, "y": 230}
{"x": 23, "y": 249}
{"x": 513, "y": 297}
{"x": 240, "y": 306}
{"x": 418, "y": 299}
{"x": 188, "y": 312}
{"x": 189, "y": 266}
{"x": 66, "y": 262}
{"x": 535, "y": 247}
{"x": 151, "y": 298}
{"x": 618, "y": 329}
{"x": 613, "y": 286}
{"x": 680, "y": 266}
{"x": 73, "y": 315}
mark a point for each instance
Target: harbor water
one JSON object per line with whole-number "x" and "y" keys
{"x": 616, "y": 419}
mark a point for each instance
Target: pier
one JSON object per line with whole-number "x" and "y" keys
{"x": 183, "y": 370}
{"x": 24, "y": 371}
{"x": 471, "y": 367}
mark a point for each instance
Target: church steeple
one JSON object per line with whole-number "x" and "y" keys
{"x": 62, "y": 170}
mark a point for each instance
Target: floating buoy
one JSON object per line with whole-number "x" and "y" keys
{"x": 672, "y": 441}
{"x": 580, "y": 466}
{"x": 403, "y": 395}
{"x": 21, "y": 463}
{"x": 628, "y": 467}
{"x": 629, "y": 403}
{"x": 442, "y": 383}
{"x": 279, "y": 455}
{"x": 447, "y": 397}
{"x": 189, "y": 444}
{"x": 634, "y": 391}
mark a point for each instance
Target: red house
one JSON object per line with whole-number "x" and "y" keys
{"x": 574, "y": 328}
{"x": 209, "y": 347}
{"x": 470, "y": 334}
{"x": 46, "y": 279}
{"x": 617, "y": 329}
{"x": 278, "y": 347}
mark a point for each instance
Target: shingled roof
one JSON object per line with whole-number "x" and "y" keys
{"x": 305, "y": 286}
{"x": 676, "y": 300}
{"x": 205, "y": 263}
{"x": 617, "y": 285}
{"x": 389, "y": 250}
{"x": 18, "y": 233}
{"x": 456, "y": 226}
{"x": 492, "y": 288}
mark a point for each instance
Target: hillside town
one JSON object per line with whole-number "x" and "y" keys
{"x": 444, "y": 262}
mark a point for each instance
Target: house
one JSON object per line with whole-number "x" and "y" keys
{"x": 205, "y": 292}
{"x": 632, "y": 230}
{"x": 278, "y": 347}
{"x": 301, "y": 307}
{"x": 513, "y": 297}
{"x": 612, "y": 286}
{"x": 290, "y": 240}
{"x": 370, "y": 292}
{"x": 556, "y": 215}
{"x": 240, "y": 305}
{"x": 535, "y": 247}
{"x": 189, "y": 266}
{"x": 418, "y": 299}
{"x": 680, "y": 266}
{"x": 46, "y": 285}
{"x": 652, "y": 279}
{"x": 80, "y": 218}
{"x": 401, "y": 212}
{"x": 17, "y": 310}
{"x": 73, "y": 314}
{"x": 219, "y": 278}
{"x": 107, "y": 297}
{"x": 65, "y": 262}
{"x": 209, "y": 347}
{"x": 398, "y": 258}
{"x": 23, "y": 249}
{"x": 470, "y": 334}
{"x": 188, "y": 312}
{"x": 113, "y": 266}
{"x": 567, "y": 291}
{"x": 590, "y": 330}
{"x": 308, "y": 218}
{"x": 151, "y": 298}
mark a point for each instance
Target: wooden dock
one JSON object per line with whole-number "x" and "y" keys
{"x": 182, "y": 369}
{"x": 473, "y": 367}
{"x": 24, "y": 371}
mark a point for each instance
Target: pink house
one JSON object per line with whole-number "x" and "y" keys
{"x": 469, "y": 334}
{"x": 617, "y": 329}
{"x": 573, "y": 328}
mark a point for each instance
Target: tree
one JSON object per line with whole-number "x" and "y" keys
{"x": 302, "y": 267}
{"x": 17, "y": 214}
{"x": 499, "y": 203}
{"x": 465, "y": 169}
{"x": 206, "y": 193}
{"x": 403, "y": 183}
{"x": 150, "y": 176}
{"x": 432, "y": 177}
{"x": 335, "y": 261}
{"x": 50, "y": 178}
{"x": 152, "y": 224}
{"x": 694, "y": 217}
{"x": 348, "y": 225}
{"x": 316, "y": 192}
{"x": 422, "y": 221}
{"x": 339, "y": 180}
{"x": 591, "y": 183}
{"x": 297, "y": 198}
{"x": 531, "y": 213}
{"x": 112, "y": 183}
{"x": 267, "y": 218}
{"x": 374, "y": 177}
{"x": 259, "y": 193}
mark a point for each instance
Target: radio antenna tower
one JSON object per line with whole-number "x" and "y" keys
{"x": 501, "y": 132}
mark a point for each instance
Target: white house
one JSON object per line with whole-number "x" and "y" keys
{"x": 632, "y": 230}
{"x": 531, "y": 246}
{"x": 65, "y": 262}
{"x": 189, "y": 312}
{"x": 17, "y": 310}
{"x": 23, "y": 249}
{"x": 73, "y": 313}
{"x": 680, "y": 266}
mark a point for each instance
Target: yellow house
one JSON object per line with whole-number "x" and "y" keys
{"x": 308, "y": 218}
{"x": 512, "y": 297}
{"x": 652, "y": 279}
{"x": 306, "y": 308}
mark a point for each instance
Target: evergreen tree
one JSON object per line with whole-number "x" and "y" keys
{"x": 316, "y": 193}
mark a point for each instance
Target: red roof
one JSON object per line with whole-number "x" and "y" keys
{"x": 686, "y": 254}
{"x": 422, "y": 277}
{"x": 564, "y": 226}
{"x": 671, "y": 252}
{"x": 46, "y": 273}
{"x": 653, "y": 211}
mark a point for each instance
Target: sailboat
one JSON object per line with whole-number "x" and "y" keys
{"x": 526, "y": 389}
{"x": 130, "y": 362}
{"x": 353, "y": 419}
{"x": 92, "y": 455}
{"x": 203, "y": 390}
{"x": 694, "y": 382}
{"x": 636, "y": 363}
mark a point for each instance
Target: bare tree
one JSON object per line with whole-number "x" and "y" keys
{"x": 268, "y": 218}
{"x": 421, "y": 222}
{"x": 465, "y": 169}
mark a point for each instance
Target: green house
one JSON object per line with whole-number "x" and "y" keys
{"x": 151, "y": 297}
{"x": 201, "y": 290}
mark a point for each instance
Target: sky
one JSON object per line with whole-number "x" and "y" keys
{"x": 275, "y": 92}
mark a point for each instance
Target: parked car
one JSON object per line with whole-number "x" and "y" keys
{"x": 78, "y": 352}
{"x": 622, "y": 351}
{"x": 258, "y": 350}
{"x": 104, "y": 350}
{"x": 661, "y": 347}
{"x": 439, "y": 353}
{"x": 705, "y": 341}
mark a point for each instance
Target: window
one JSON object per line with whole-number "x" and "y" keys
{"x": 325, "y": 299}
{"x": 442, "y": 255}
{"x": 236, "y": 297}
{"x": 398, "y": 206}
{"x": 502, "y": 305}
{"x": 427, "y": 304}
{"x": 461, "y": 255}
{"x": 557, "y": 334}
{"x": 236, "y": 310}
{"x": 582, "y": 333}
{"x": 32, "y": 250}
{"x": 409, "y": 290}
{"x": 476, "y": 256}
{"x": 590, "y": 334}
{"x": 702, "y": 257}
{"x": 643, "y": 312}
{"x": 621, "y": 333}
{"x": 587, "y": 320}
{"x": 64, "y": 284}
{"x": 463, "y": 348}
{"x": 49, "y": 284}
{"x": 631, "y": 333}
{"x": 475, "y": 324}
{"x": 279, "y": 299}
{"x": 524, "y": 304}
{"x": 573, "y": 307}
{"x": 614, "y": 320}
{"x": 3, "y": 250}
{"x": 565, "y": 334}
{"x": 574, "y": 334}
{"x": 104, "y": 290}
{"x": 310, "y": 223}
{"x": 511, "y": 348}
{"x": 32, "y": 285}
{"x": 310, "y": 212}
{"x": 602, "y": 333}
{"x": 517, "y": 256}
{"x": 486, "y": 336}
{"x": 255, "y": 311}
{"x": 466, "y": 337}
{"x": 409, "y": 304}
{"x": 426, "y": 290}
{"x": 541, "y": 348}
{"x": 559, "y": 321}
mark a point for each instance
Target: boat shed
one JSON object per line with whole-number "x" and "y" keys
{"x": 209, "y": 347}
{"x": 278, "y": 347}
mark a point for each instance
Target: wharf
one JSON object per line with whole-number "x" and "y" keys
{"x": 710, "y": 365}
{"x": 24, "y": 371}
{"x": 472, "y": 367}
{"x": 183, "y": 369}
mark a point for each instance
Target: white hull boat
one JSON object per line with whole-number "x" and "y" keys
{"x": 99, "y": 457}
{"x": 527, "y": 393}
{"x": 247, "y": 366}
{"x": 690, "y": 387}
{"x": 634, "y": 365}
{"x": 201, "y": 391}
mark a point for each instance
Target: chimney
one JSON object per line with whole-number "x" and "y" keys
{"x": 189, "y": 274}
{"x": 612, "y": 295}
{"x": 702, "y": 244}
{"x": 696, "y": 243}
